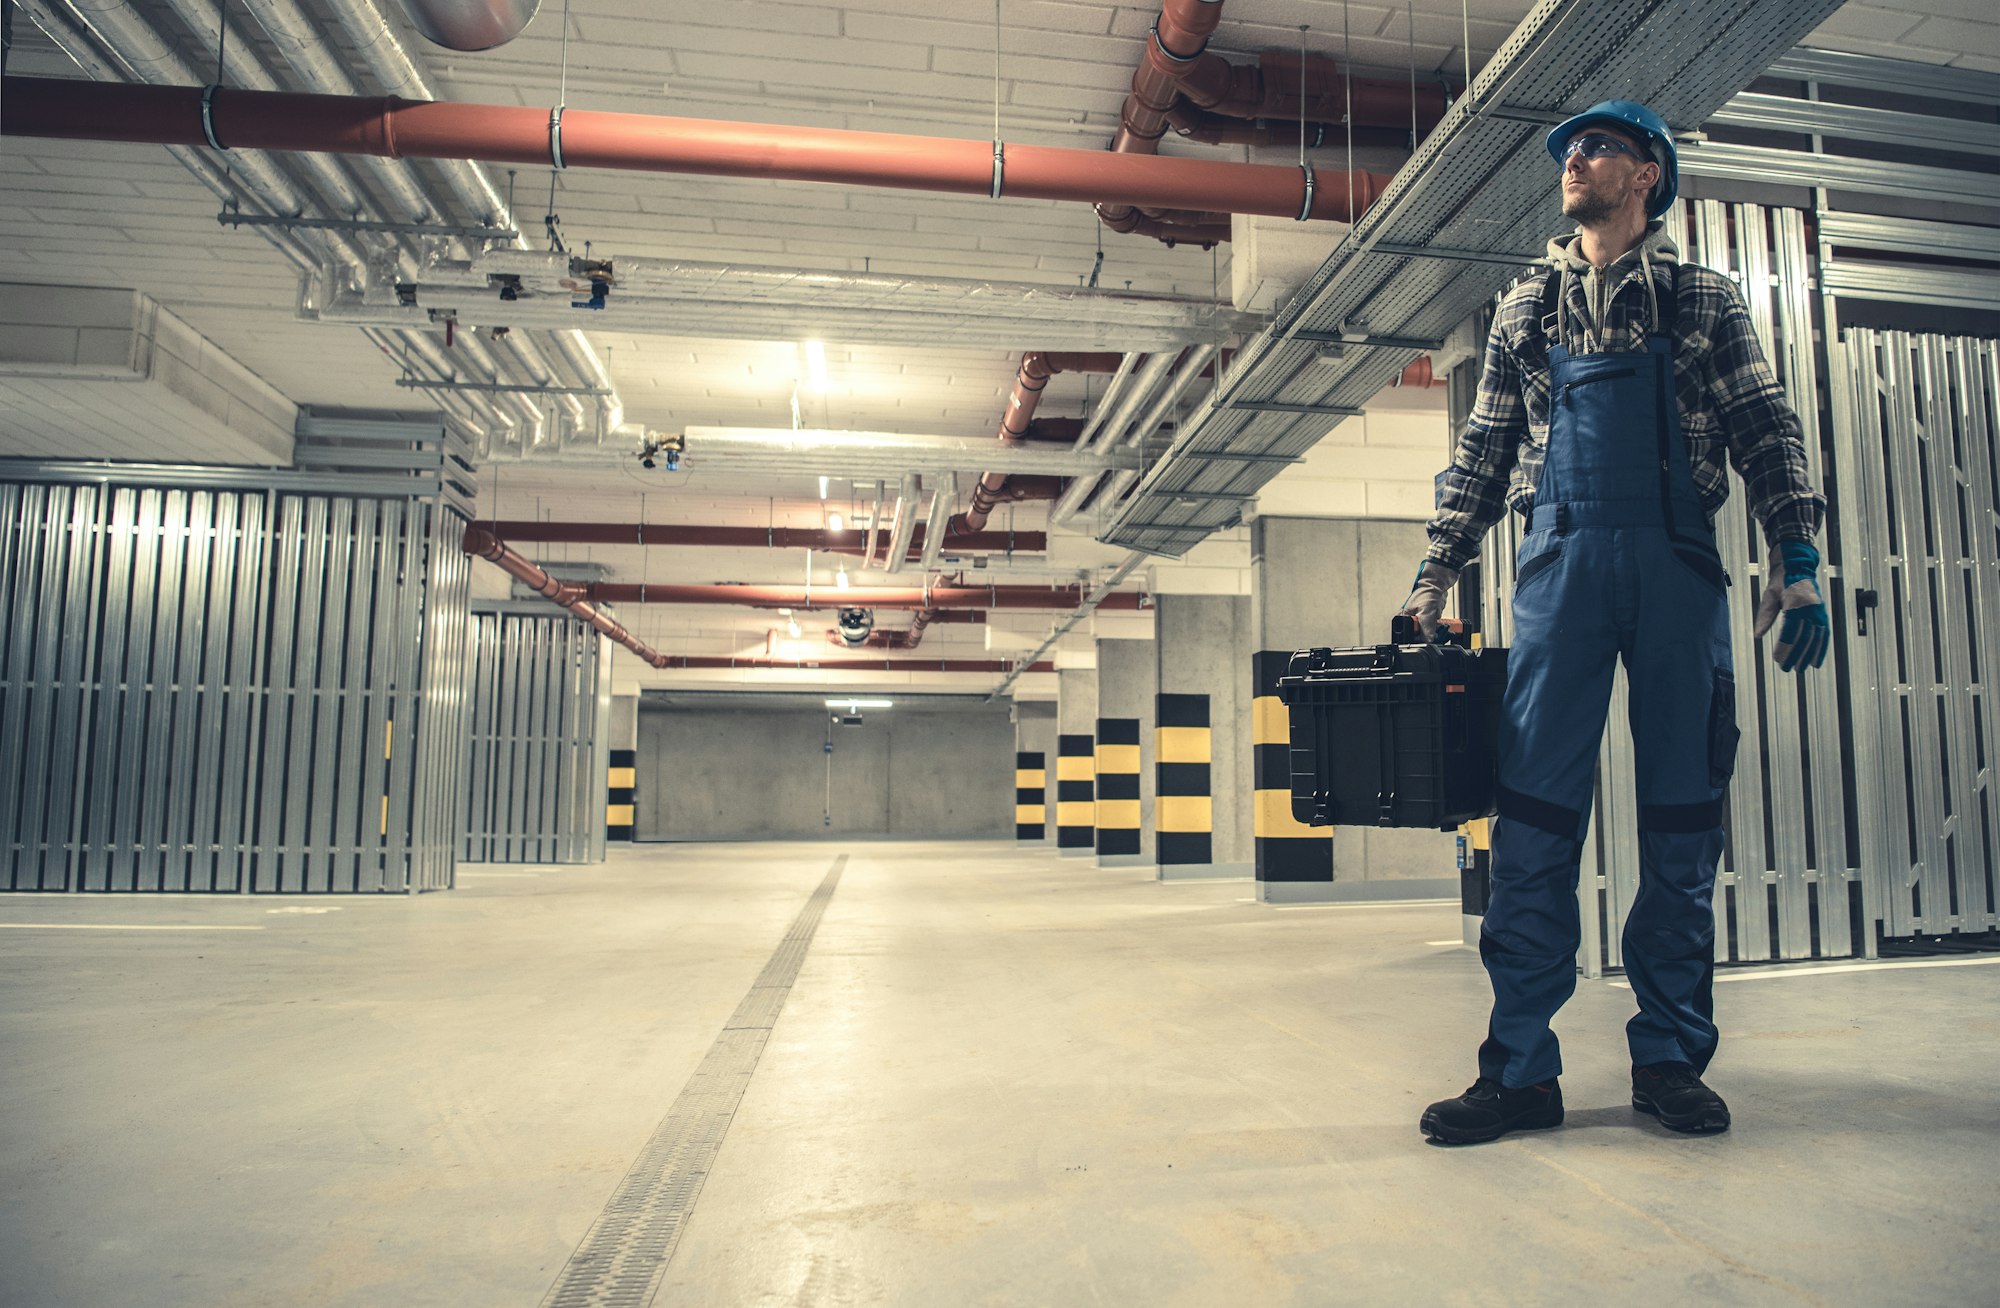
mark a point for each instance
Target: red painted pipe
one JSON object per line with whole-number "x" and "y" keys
{"x": 850, "y": 665}
{"x": 827, "y": 597}
{"x": 415, "y": 129}
{"x": 810, "y": 538}
{"x": 491, "y": 548}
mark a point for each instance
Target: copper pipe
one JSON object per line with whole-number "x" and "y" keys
{"x": 823, "y": 597}
{"x": 1037, "y": 366}
{"x": 850, "y": 665}
{"x": 810, "y": 538}
{"x": 416, "y": 129}
{"x": 486, "y": 545}
{"x": 1419, "y": 375}
{"x": 906, "y": 639}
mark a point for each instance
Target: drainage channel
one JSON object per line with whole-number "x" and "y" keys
{"x": 623, "y": 1257}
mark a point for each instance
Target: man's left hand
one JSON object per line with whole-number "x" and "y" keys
{"x": 1791, "y": 588}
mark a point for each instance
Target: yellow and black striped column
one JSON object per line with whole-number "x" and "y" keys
{"x": 1076, "y": 793}
{"x": 620, "y": 780}
{"x": 1030, "y": 792}
{"x": 1118, "y": 788}
{"x": 1287, "y": 850}
{"x": 1183, "y": 810}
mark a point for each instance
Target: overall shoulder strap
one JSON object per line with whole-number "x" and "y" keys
{"x": 1670, "y": 303}
{"x": 1552, "y": 308}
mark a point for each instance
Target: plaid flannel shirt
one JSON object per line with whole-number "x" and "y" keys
{"x": 1732, "y": 409}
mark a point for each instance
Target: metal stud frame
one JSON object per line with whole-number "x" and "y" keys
{"x": 535, "y": 772}
{"x": 224, "y": 689}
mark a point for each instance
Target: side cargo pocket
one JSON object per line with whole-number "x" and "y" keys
{"x": 1722, "y": 732}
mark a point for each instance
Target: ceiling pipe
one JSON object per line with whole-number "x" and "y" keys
{"x": 825, "y": 597}
{"x": 907, "y": 639}
{"x": 1037, "y": 366}
{"x": 1197, "y": 363}
{"x": 1177, "y": 64}
{"x": 937, "y": 525}
{"x": 904, "y": 665}
{"x": 484, "y": 544}
{"x": 808, "y": 538}
{"x": 1420, "y": 375}
{"x": 371, "y": 37}
{"x": 904, "y": 525}
{"x": 874, "y": 528}
{"x": 258, "y": 120}
{"x": 470, "y": 25}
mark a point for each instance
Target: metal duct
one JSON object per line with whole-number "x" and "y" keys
{"x": 470, "y": 24}
{"x": 903, "y": 526}
{"x": 329, "y": 124}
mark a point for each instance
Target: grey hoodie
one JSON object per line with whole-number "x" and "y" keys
{"x": 1600, "y": 286}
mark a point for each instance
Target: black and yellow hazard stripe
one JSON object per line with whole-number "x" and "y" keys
{"x": 1287, "y": 849}
{"x": 1184, "y": 807}
{"x": 619, "y": 782}
{"x": 1031, "y": 814}
{"x": 1117, "y": 787}
{"x": 1076, "y": 792}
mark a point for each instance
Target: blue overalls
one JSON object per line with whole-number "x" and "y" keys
{"x": 1619, "y": 562}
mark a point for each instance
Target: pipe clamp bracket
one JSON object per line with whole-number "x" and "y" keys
{"x": 555, "y": 137}
{"x": 208, "y": 117}
{"x": 1306, "y": 208}
{"x": 999, "y": 169}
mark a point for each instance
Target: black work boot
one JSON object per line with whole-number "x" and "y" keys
{"x": 1674, "y": 1094}
{"x": 1489, "y": 1110}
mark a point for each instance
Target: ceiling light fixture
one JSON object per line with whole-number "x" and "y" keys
{"x": 792, "y": 627}
{"x": 822, "y": 487}
{"x": 856, "y": 705}
{"x": 840, "y": 578}
{"x": 834, "y": 522}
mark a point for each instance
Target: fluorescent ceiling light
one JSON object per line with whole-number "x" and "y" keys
{"x": 855, "y": 705}
{"x": 834, "y": 522}
{"x": 822, "y": 487}
{"x": 792, "y": 627}
{"x": 816, "y": 366}
{"x": 840, "y": 578}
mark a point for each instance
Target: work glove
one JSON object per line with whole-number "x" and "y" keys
{"x": 1426, "y": 602}
{"x": 1790, "y": 589}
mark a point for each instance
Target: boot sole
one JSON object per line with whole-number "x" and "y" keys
{"x": 1706, "y": 1122}
{"x": 1443, "y": 1134}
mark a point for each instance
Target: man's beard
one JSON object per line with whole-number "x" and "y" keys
{"x": 1588, "y": 207}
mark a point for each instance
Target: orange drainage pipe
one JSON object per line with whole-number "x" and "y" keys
{"x": 484, "y": 544}
{"x": 395, "y": 128}
{"x": 826, "y": 597}
{"x": 808, "y": 538}
{"x": 850, "y": 665}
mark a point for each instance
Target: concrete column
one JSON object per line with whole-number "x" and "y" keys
{"x": 621, "y": 777}
{"x": 1201, "y": 649}
{"x": 1334, "y": 582}
{"x": 1076, "y": 772}
{"x": 1127, "y": 683}
{"x": 1034, "y": 771}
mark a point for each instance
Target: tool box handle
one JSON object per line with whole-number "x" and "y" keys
{"x": 1403, "y": 630}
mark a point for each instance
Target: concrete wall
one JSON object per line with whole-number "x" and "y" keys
{"x": 1035, "y": 732}
{"x": 1335, "y": 582}
{"x": 1204, "y": 648}
{"x": 720, "y": 774}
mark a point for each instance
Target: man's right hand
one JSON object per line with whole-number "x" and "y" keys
{"x": 1426, "y": 602}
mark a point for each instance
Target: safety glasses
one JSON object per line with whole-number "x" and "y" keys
{"x": 1596, "y": 145}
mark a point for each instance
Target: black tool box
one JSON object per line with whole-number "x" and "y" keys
{"x": 1399, "y": 735}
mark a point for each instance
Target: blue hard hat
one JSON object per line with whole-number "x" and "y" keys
{"x": 1632, "y": 117}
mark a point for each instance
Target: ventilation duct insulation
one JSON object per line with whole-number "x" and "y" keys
{"x": 852, "y": 625}
{"x": 129, "y": 381}
{"x": 470, "y": 24}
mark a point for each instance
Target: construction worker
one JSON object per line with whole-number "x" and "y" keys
{"x": 1615, "y": 388}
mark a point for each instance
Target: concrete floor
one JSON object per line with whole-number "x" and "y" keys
{"x": 999, "y": 1079}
